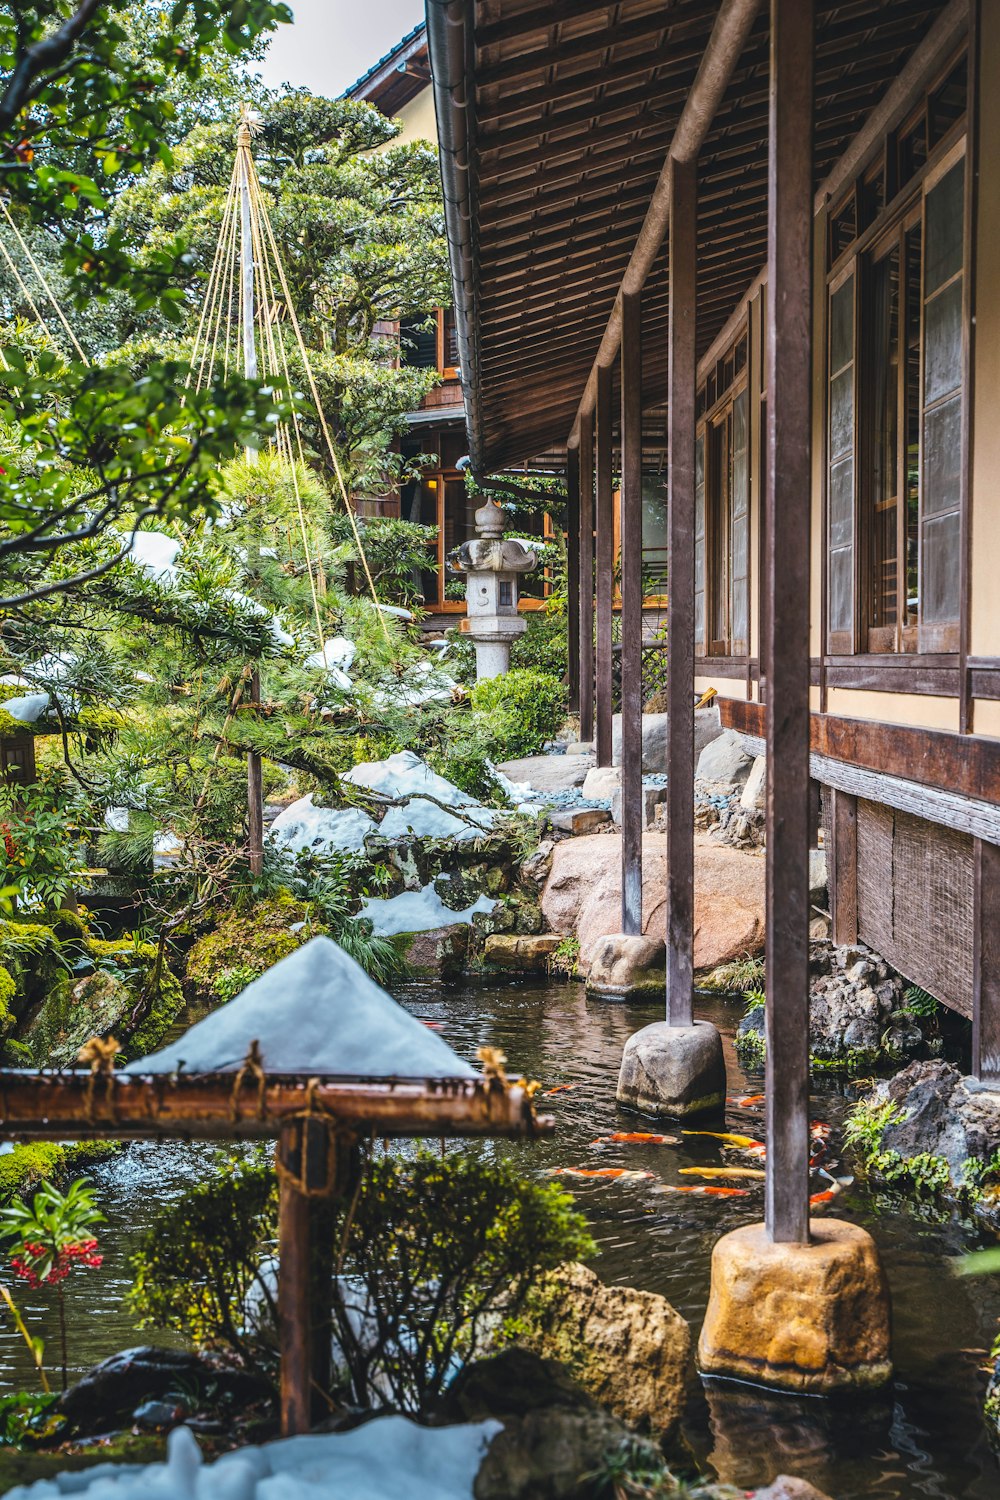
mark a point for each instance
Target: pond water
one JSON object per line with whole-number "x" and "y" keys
{"x": 922, "y": 1436}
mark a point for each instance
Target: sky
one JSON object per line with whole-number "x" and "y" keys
{"x": 332, "y": 42}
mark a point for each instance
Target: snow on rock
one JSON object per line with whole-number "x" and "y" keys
{"x": 406, "y": 775}
{"x": 397, "y": 610}
{"x": 156, "y": 554}
{"x": 322, "y": 829}
{"x": 425, "y": 820}
{"x": 381, "y": 1460}
{"x": 28, "y": 708}
{"x": 418, "y": 911}
{"x": 315, "y": 1012}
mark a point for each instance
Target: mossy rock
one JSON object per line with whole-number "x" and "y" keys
{"x": 8, "y": 989}
{"x": 26, "y": 1167}
{"x": 33, "y": 955}
{"x": 114, "y": 999}
{"x": 243, "y": 945}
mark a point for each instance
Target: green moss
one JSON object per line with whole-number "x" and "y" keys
{"x": 32, "y": 953}
{"x": 243, "y": 945}
{"x": 115, "y": 998}
{"x": 7, "y": 991}
{"x": 27, "y": 1166}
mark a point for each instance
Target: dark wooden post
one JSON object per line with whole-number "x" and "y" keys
{"x": 294, "y": 1324}
{"x": 631, "y": 613}
{"x": 605, "y": 580}
{"x": 786, "y": 644}
{"x": 842, "y": 867}
{"x": 585, "y": 576}
{"x": 680, "y": 592}
{"x": 573, "y": 573}
{"x": 986, "y": 964}
{"x": 255, "y": 793}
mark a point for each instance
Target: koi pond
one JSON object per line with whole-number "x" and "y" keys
{"x": 922, "y": 1436}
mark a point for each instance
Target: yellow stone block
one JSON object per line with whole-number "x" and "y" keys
{"x": 801, "y": 1317}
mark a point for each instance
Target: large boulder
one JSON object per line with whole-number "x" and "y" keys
{"x": 724, "y": 761}
{"x": 628, "y": 1349}
{"x": 109, "y": 1395}
{"x": 707, "y": 727}
{"x": 941, "y": 1130}
{"x": 124, "y": 995}
{"x": 857, "y": 1012}
{"x": 548, "y": 773}
{"x": 555, "y": 1436}
{"x": 583, "y": 895}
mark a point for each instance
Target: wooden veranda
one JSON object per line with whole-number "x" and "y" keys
{"x": 616, "y": 177}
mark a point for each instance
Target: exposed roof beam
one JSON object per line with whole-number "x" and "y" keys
{"x": 725, "y": 47}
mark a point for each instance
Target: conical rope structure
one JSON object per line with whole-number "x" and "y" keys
{"x": 246, "y": 300}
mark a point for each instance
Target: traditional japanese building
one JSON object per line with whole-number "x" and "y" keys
{"x": 749, "y": 246}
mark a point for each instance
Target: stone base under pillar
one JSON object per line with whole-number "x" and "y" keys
{"x": 799, "y": 1317}
{"x": 676, "y": 1071}
{"x": 624, "y": 966}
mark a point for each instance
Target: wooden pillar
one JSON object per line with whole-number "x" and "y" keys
{"x": 986, "y": 964}
{"x": 631, "y": 612}
{"x": 255, "y": 793}
{"x": 842, "y": 867}
{"x": 604, "y": 581}
{"x": 681, "y": 366}
{"x": 786, "y": 643}
{"x": 585, "y": 532}
{"x": 573, "y": 573}
{"x": 294, "y": 1336}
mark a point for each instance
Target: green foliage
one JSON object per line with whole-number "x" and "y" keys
{"x": 740, "y": 977}
{"x": 397, "y": 552}
{"x": 331, "y": 898}
{"x": 8, "y": 989}
{"x": 53, "y": 1223}
{"x": 198, "y": 1260}
{"x": 243, "y": 945}
{"x": 27, "y": 1418}
{"x": 755, "y": 999}
{"x": 544, "y": 646}
{"x": 28, "y": 1165}
{"x": 867, "y": 1122}
{"x": 921, "y": 1004}
{"x": 518, "y": 711}
{"x": 441, "y": 1244}
{"x": 40, "y": 829}
{"x": 565, "y": 958}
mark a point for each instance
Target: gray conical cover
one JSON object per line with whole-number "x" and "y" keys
{"x": 314, "y": 1012}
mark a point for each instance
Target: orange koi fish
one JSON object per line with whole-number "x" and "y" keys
{"x": 715, "y": 1192}
{"x": 722, "y": 1135}
{"x": 637, "y": 1138}
{"x": 722, "y": 1172}
{"x": 618, "y": 1173}
{"x": 750, "y": 1102}
{"x": 432, "y": 1025}
{"x": 561, "y": 1088}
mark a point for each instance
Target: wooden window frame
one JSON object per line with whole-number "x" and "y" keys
{"x": 718, "y": 538}
{"x": 901, "y": 214}
{"x": 447, "y": 372}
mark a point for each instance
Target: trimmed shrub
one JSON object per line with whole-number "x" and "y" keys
{"x": 519, "y": 711}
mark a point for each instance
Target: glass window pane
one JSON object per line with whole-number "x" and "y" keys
{"x": 943, "y": 457}
{"x": 943, "y": 343}
{"x": 940, "y": 569}
{"x": 842, "y": 503}
{"x": 842, "y": 589}
{"x": 842, "y": 413}
{"x": 945, "y": 228}
{"x": 740, "y": 610}
{"x": 842, "y": 326}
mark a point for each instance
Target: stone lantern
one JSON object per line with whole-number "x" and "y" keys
{"x": 491, "y": 566}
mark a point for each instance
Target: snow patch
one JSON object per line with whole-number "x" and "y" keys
{"x": 381, "y": 1460}
{"x": 322, "y": 829}
{"x": 425, "y": 820}
{"x": 406, "y": 775}
{"x": 315, "y": 1012}
{"x": 418, "y": 911}
{"x": 156, "y": 554}
{"x": 28, "y": 709}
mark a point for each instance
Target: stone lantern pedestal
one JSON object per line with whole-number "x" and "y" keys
{"x": 492, "y": 568}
